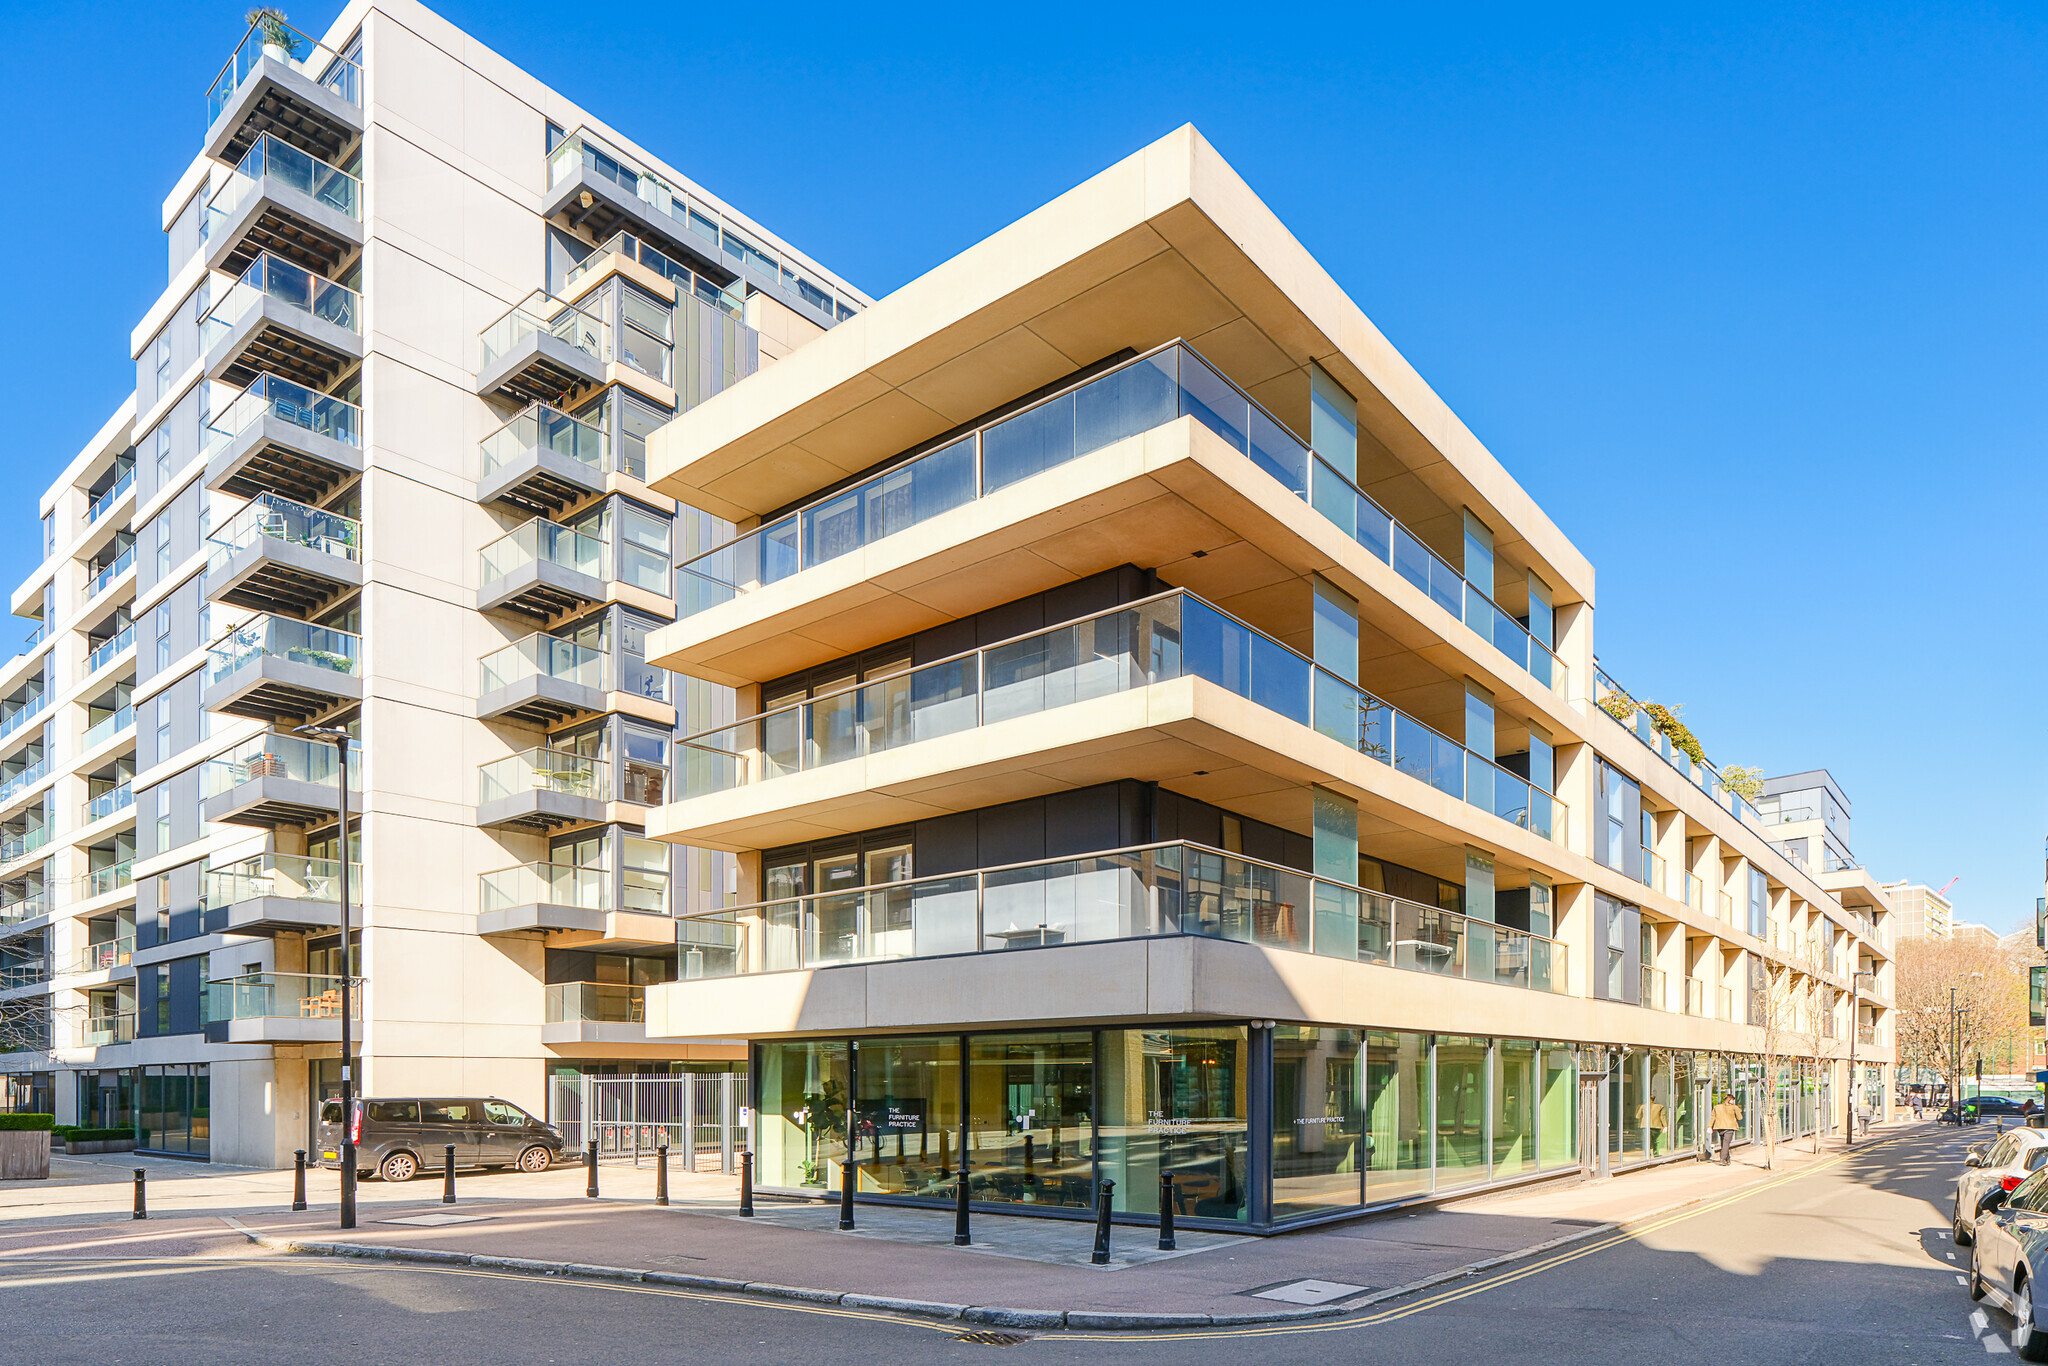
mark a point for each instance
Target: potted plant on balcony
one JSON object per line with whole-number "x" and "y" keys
{"x": 279, "y": 42}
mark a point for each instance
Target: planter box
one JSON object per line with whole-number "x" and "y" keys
{"x": 24, "y": 1154}
{"x": 99, "y": 1145}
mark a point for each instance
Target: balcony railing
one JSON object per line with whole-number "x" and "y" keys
{"x": 107, "y": 727}
{"x": 102, "y": 1030}
{"x": 291, "y": 876}
{"x": 102, "y": 505}
{"x": 1866, "y": 1034}
{"x": 1169, "y": 383}
{"x": 14, "y": 846}
{"x": 23, "y": 714}
{"x": 687, "y": 281}
{"x": 279, "y": 996}
{"x": 1165, "y": 889}
{"x": 298, "y": 641}
{"x": 100, "y": 578}
{"x": 273, "y": 277}
{"x": 1727, "y": 1005}
{"x": 1161, "y": 638}
{"x": 542, "y": 655}
{"x": 541, "y": 312}
{"x": 105, "y": 957}
{"x": 269, "y": 396}
{"x": 24, "y": 780}
{"x": 112, "y": 878}
{"x": 114, "y": 799}
{"x": 542, "y": 428}
{"x": 103, "y": 653}
{"x": 1695, "y": 997}
{"x": 554, "y": 884}
{"x": 270, "y": 516}
{"x": 1653, "y": 989}
{"x": 544, "y": 770}
{"x": 315, "y": 61}
{"x": 1612, "y": 698}
{"x": 595, "y": 1003}
{"x": 269, "y": 755}
{"x": 28, "y": 907}
{"x": 542, "y": 540}
{"x": 275, "y": 159}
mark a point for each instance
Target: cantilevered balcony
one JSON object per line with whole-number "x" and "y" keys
{"x": 277, "y": 1007}
{"x": 279, "y": 555}
{"x": 543, "y": 896}
{"x": 540, "y": 789}
{"x": 543, "y": 461}
{"x": 542, "y": 349}
{"x": 282, "y": 319}
{"x": 280, "y": 81}
{"x": 287, "y": 202}
{"x": 280, "y": 436}
{"x": 274, "y": 666}
{"x": 541, "y": 679}
{"x": 541, "y": 569}
{"x": 594, "y": 1012}
{"x": 271, "y": 780}
{"x": 277, "y": 893}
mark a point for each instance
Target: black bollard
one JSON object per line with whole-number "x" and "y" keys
{"x": 661, "y": 1168}
{"x": 141, "y": 1199}
{"x": 1166, "y": 1243}
{"x": 590, "y": 1161}
{"x": 448, "y": 1175}
{"x": 298, "y": 1180}
{"x": 746, "y": 1184}
{"x": 848, "y": 1175}
{"x": 960, "y": 1235}
{"x": 1101, "y": 1254}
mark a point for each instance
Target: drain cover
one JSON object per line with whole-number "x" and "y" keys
{"x": 993, "y": 1339}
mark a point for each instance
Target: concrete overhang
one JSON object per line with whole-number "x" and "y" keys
{"x": 273, "y": 454}
{"x": 1170, "y": 242}
{"x": 266, "y": 915}
{"x": 280, "y": 218}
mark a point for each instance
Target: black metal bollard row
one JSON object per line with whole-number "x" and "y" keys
{"x": 448, "y": 1175}
{"x": 1166, "y": 1243}
{"x": 961, "y": 1238}
{"x": 141, "y": 1195}
{"x": 849, "y": 1176}
{"x": 661, "y": 1168}
{"x": 590, "y": 1162}
{"x": 746, "y": 1184}
{"x": 1100, "y": 1256}
{"x": 298, "y": 1180}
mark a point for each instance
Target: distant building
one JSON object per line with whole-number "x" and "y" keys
{"x": 1809, "y": 818}
{"x": 1922, "y": 912}
{"x": 1980, "y": 934}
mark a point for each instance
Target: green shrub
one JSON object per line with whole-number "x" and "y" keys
{"x": 43, "y": 1122}
{"x": 77, "y": 1135}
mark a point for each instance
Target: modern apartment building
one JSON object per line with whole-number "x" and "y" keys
{"x": 1168, "y": 740}
{"x": 1923, "y": 913}
{"x": 384, "y": 468}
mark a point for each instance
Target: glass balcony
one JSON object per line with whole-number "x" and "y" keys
{"x": 269, "y": 396}
{"x": 271, "y": 755}
{"x": 543, "y": 656}
{"x": 24, "y": 780}
{"x": 278, "y": 161}
{"x": 542, "y": 314}
{"x": 271, "y": 517}
{"x": 1727, "y": 1004}
{"x": 595, "y": 1003}
{"x": 14, "y": 846}
{"x": 1653, "y": 989}
{"x": 544, "y": 429}
{"x": 102, "y": 1030}
{"x": 281, "y": 637}
{"x": 315, "y": 61}
{"x": 292, "y": 877}
{"x": 112, "y": 878}
{"x": 1165, "y": 889}
{"x": 101, "y": 579}
{"x": 553, "y": 884}
{"x": 544, "y": 770}
{"x": 107, "y": 727}
{"x": 23, "y": 714}
{"x": 542, "y": 541}
{"x": 1695, "y": 997}
{"x": 103, "y": 654}
{"x": 273, "y": 277}
{"x": 687, "y": 281}
{"x": 28, "y": 907}
{"x": 279, "y": 995}
{"x": 115, "y": 953}
{"x": 111, "y": 802}
{"x": 1167, "y": 384}
{"x": 1161, "y": 638}
{"x": 102, "y": 505}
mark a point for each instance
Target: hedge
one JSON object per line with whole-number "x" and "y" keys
{"x": 43, "y": 1122}
{"x": 97, "y": 1135}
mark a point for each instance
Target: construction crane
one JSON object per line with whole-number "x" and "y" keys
{"x": 1951, "y": 882}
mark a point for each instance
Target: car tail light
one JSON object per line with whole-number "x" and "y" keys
{"x": 355, "y": 1125}
{"x": 2010, "y": 1183}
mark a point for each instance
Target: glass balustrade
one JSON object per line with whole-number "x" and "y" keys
{"x": 23, "y": 714}
{"x": 102, "y": 1030}
{"x": 270, "y": 755}
{"x": 595, "y": 1003}
{"x": 22, "y": 844}
{"x": 544, "y": 770}
{"x": 544, "y": 656}
{"x": 541, "y": 540}
{"x": 270, "y": 516}
{"x": 552, "y": 884}
{"x": 100, "y": 506}
{"x": 542, "y": 313}
{"x": 24, "y": 908}
{"x": 273, "y": 277}
{"x": 111, "y": 878}
{"x": 279, "y": 995}
{"x": 274, "y": 159}
{"x": 542, "y": 428}
{"x": 269, "y": 396}
{"x": 1695, "y": 997}
{"x": 1653, "y": 988}
{"x": 1629, "y": 714}
{"x": 107, "y": 727}
{"x": 687, "y": 281}
{"x": 293, "y": 877}
{"x": 24, "y": 780}
{"x": 1167, "y": 889}
{"x": 1130, "y": 647}
{"x": 101, "y": 577}
{"x": 315, "y": 61}
{"x": 103, "y": 653}
{"x": 300, "y": 642}
{"x": 111, "y": 802}
{"x": 105, "y": 957}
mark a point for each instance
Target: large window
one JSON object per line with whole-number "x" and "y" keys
{"x": 174, "y": 1113}
{"x": 1318, "y": 1120}
{"x": 1460, "y": 1111}
{"x": 1176, "y": 1098}
{"x": 805, "y": 1091}
{"x": 1030, "y": 1118}
{"x": 908, "y": 1115}
{"x": 1397, "y": 1106}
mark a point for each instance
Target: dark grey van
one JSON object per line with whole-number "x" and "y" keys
{"x": 400, "y": 1136}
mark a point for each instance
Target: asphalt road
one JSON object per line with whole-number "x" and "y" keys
{"x": 1846, "y": 1263}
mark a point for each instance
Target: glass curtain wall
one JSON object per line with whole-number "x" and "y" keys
{"x": 1397, "y": 1106}
{"x": 1177, "y": 1098}
{"x": 1318, "y": 1120}
{"x": 1460, "y": 1111}
{"x": 803, "y": 1099}
{"x": 908, "y": 1114}
{"x": 1030, "y": 1118}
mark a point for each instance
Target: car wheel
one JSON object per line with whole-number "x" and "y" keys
{"x": 399, "y": 1167}
{"x": 535, "y": 1159}
{"x": 1976, "y": 1280}
{"x": 1959, "y": 1233}
{"x": 2027, "y": 1338}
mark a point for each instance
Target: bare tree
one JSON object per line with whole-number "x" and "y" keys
{"x": 1987, "y": 983}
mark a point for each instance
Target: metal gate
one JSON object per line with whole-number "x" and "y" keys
{"x": 699, "y": 1116}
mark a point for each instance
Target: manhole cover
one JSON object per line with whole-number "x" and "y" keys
{"x": 993, "y": 1339}
{"x": 1308, "y": 1292}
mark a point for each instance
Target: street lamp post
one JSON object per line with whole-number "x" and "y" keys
{"x": 340, "y": 739}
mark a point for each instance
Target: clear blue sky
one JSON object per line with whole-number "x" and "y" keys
{"x": 1751, "y": 299}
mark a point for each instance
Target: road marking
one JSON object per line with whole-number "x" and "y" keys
{"x": 1995, "y": 1345}
{"x": 1979, "y": 1321}
{"x": 1962, "y": 1279}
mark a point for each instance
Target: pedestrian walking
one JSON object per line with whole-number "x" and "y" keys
{"x": 1916, "y": 1105}
{"x": 1727, "y": 1118}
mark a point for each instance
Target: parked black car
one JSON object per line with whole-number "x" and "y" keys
{"x": 396, "y": 1137}
{"x": 1981, "y": 1107}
